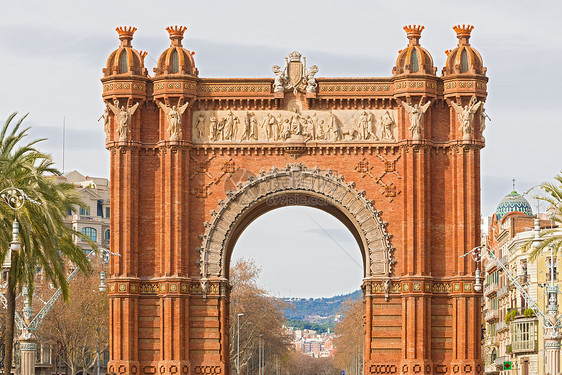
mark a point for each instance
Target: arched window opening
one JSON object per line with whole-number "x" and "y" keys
{"x": 415, "y": 65}
{"x": 464, "y": 61}
{"x": 175, "y": 62}
{"x": 91, "y": 233}
{"x": 123, "y": 62}
{"x": 107, "y": 234}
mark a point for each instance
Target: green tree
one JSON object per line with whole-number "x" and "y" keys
{"x": 550, "y": 237}
{"x": 46, "y": 241}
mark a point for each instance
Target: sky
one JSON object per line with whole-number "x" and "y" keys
{"x": 53, "y": 53}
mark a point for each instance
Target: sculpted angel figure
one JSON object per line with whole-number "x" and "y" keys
{"x": 173, "y": 117}
{"x": 416, "y": 113}
{"x": 387, "y": 126}
{"x": 271, "y": 127}
{"x": 466, "y": 116}
{"x": 250, "y": 127}
{"x": 123, "y": 117}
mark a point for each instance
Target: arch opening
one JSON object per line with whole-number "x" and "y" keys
{"x": 286, "y": 200}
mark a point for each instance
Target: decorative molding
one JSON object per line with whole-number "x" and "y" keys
{"x": 271, "y": 188}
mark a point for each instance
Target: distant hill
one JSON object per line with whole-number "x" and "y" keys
{"x": 318, "y": 310}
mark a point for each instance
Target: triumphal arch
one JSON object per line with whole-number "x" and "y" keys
{"x": 194, "y": 160}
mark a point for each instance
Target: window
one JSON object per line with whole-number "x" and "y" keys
{"x": 123, "y": 62}
{"x": 464, "y": 61}
{"x": 107, "y": 234}
{"x": 91, "y": 233}
{"x": 85, "y": 211}
{"x": 107, "y": 210}
{"x": 175, "y": 62}
{"x": 415, "y": 66}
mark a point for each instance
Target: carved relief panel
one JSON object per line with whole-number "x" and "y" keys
{"x": 282, "y": 125}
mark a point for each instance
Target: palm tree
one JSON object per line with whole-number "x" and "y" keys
{"x": 45, "y": 241}
{"x": 550, "y": 237}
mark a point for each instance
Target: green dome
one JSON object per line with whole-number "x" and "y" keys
{"x": 513, "y": 202}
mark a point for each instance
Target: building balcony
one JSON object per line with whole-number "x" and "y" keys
{"x": 492, "y": 263}
{"x": 491, "y": 368}
{"x": 490, "y": 289}
{"x": 503, "y": 291}
{"x": 491, "y": 341}
{"x": 524, "y": 336}
{"x": 500, "y": 361}
{"x": 502, "y": 326}
{"x": 490, "y": 315}
{"x": 89, "y": 219}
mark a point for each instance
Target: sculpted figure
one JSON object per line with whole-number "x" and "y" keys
{"x": 483, "y": 117}
{"x": 271, "y": 127}
{"x": 296, "y": 122}
{"x": 416, "y": 113}
{"x": 105, "y": 117}
{"x": 229, "y": 129}
{"x": 123, "y": 117}
{"x": 334, "y": 130}
{"x": 250, "y": 127}
{"x": 311, "y": 84}
{"x": 365, "y": 126}
{"x": 200, "y": 126}
{"x": 286, "y": 129}
{"x": 466, "y": 116}
{"x": 387, "y": 126}
{"x": 319, "y": 131}
{"x": 173, "y": 117}
{"x": 214, "y": 130}
{"x": 280, "y": 79}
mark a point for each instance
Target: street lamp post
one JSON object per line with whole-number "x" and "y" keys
{"x": 237, "y": 347}
{"x": 15, "y": 198}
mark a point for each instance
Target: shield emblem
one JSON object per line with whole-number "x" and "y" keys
{"x": 295, "y": 72}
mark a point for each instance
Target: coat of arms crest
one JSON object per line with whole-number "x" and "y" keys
{"x": 294, "y": 76}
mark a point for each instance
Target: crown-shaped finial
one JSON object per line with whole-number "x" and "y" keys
{"x": 143, "y": 54}
{"x": 176, "y": 34}
{"x": 126, "y": 31}
{"x": 126, "y": 34}
{"x": 176, "y": 31}
{"x": 413, "y": 32}
{"x": 463, "y": 31}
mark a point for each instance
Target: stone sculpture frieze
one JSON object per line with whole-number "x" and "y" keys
{"x": 283, "y": 125}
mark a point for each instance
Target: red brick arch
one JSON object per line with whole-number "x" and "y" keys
{"x": 183, "y": 188}
{"x": 295, "y": 185}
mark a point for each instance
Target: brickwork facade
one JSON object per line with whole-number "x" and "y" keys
{"x": 195, "y": 160}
